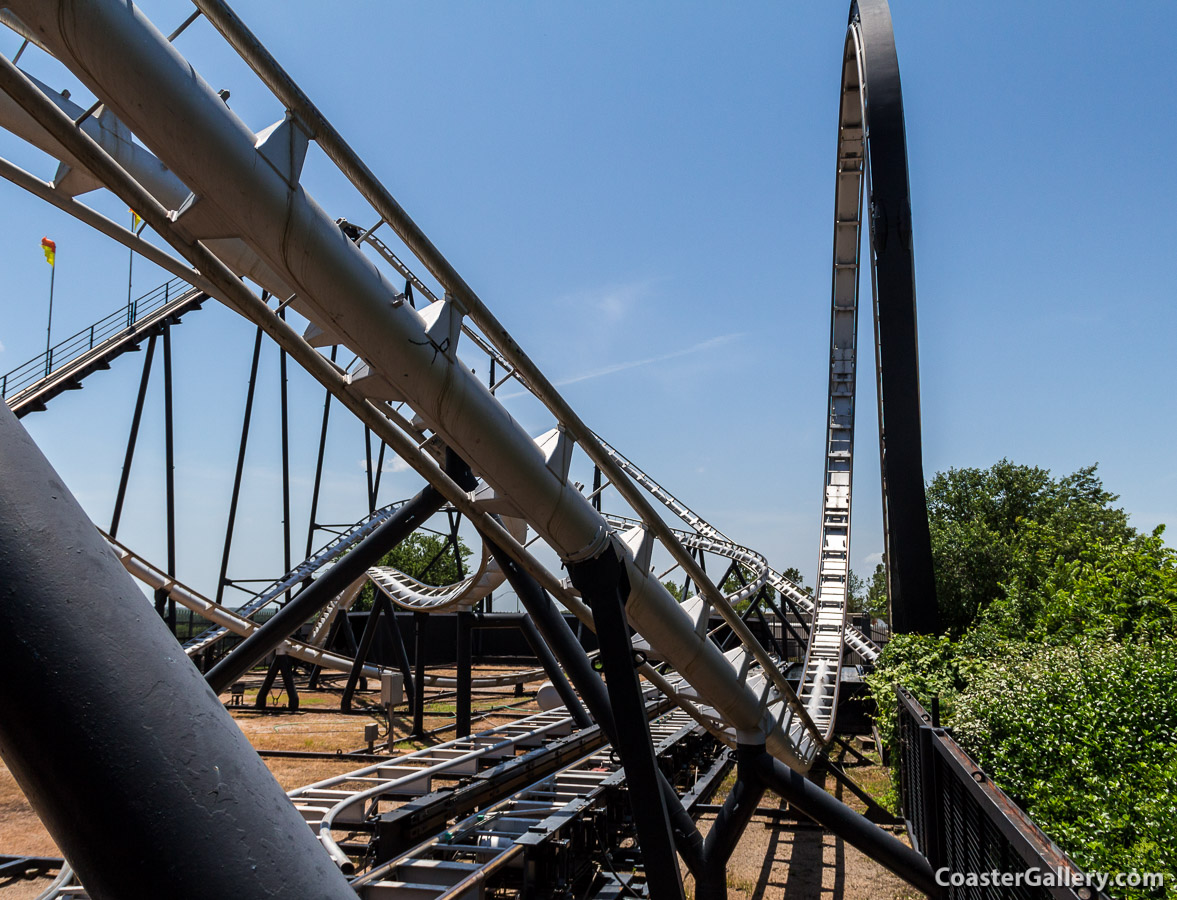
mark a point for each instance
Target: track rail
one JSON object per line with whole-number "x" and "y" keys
{"x": 823, "y": 657}
{"x": 797, "y": 598}
{"x": 412, "y": 352}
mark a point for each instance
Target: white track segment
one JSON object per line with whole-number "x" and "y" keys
{"x": 223, "y": 616}
{"x": 799, "y": 599}
{"x": 245, "y": 187}
{"x": 823, "y": 658}
{"x": 409, "y": 593}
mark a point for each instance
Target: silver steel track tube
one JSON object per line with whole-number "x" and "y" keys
{"x": 285, "y": 89}
{"x": 241, "y": 192}
{"x": 134, "y": 766}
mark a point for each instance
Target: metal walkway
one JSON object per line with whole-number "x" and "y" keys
{"x": 29, "y": 386}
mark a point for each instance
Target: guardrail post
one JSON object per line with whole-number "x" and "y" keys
{"x": 932, "y": 838}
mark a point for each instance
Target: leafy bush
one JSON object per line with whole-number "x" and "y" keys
{"x": 1084, "y": 737}
{"x": 1059, "y": 669}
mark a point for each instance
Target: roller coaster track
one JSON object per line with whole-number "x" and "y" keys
{"x": 409, "y": 354}
{"x": 476, "y": 846}
{"x": 409, "y": 593}
{"x": 231, "y": 203}
{"x": 798, "y": 599}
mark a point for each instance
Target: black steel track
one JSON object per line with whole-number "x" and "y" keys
{"x": 911, "y": 583}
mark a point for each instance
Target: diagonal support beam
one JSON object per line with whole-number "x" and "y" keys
{"x": 603, "y": 583}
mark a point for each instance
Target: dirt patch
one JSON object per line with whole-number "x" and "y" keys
{"x": 777, "y": 860}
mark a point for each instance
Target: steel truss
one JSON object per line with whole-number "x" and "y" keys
{"x": 413, "y": 392}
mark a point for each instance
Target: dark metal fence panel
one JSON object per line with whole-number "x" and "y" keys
{"x": 963, "y": 823}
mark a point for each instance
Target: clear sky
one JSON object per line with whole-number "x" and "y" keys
{"x": 643, "y": 193}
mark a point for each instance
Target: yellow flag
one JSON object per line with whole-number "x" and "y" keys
{"x": 50, "y": 249}
{"x": 136, "y": 219}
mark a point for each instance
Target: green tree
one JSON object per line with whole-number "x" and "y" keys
{"x": 425, "y": 556}
{"x": 1057, "y": 673}
{"x": 1114, "y": 589}
{"x": 876, "y": 602}
{"x": 794, "y": 575}
{"x": 982, "y": 524}
{"x": 855, "y": 593}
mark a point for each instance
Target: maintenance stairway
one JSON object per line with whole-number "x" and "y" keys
{"x": 29, "y": 386}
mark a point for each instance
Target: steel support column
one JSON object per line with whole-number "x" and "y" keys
{"x": 236, "y": 493}
{"x": 133, "y": 438}
{"x": 603, "y": 582}
{"x": 407, "y": 519}
{"x": 733, "y": 818}
{"x": 380, "y": 604}
{"x": 285, "y": 429}
{"x": 419, "y": 621}
{"x": 910, "y": 580}
{"x": 855, "y": 829}
{"x": 465, "y": 623}
{"x": 319, "y": 467}
{"x": 556, "y": 675}
{"x": 554, "y": 629}
{"x": 94, "y": 741}
{"x": 169, "y": 466}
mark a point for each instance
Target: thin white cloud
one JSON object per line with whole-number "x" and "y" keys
{"x": 650, "y": 360}
{"x": 392, "y": 463}
{"x": 636, "y": 363}
{"x": 613, "y": 301}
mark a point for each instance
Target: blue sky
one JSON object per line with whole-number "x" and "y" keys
{"x": 643, "y": 194}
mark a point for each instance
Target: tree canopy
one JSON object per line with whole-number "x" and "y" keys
{"x": 990, "y": 526}
{"x": 1057, "y": 669}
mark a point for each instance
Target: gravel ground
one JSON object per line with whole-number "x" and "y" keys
{"x": 776, "y": 858}
{"x": 783, "y": 860}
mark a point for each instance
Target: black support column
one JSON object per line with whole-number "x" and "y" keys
{"x": 550, "y": 622}
{"x": 603, "y": 583}
{"x": 465, "y": 625}
{"x": 93, "y": 740}
{"x": 910, "y": 581}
